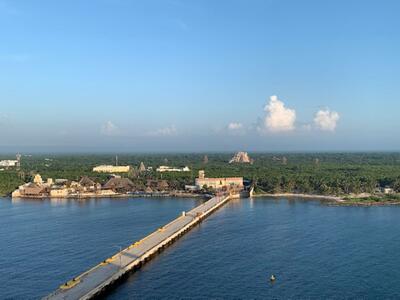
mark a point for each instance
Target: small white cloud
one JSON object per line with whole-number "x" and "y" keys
{"x": 326, "y": 120}
{"x": 166, "y": 131}
{"x": 109, "y": 129}
{"x": 279, "y": 118}
{"x": 235, "y": 126}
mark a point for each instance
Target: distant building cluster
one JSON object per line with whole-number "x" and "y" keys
{"x": 118, "y": 186}
{"x": 125, "y": 169}
{"x": 172, "y": 169}
{"x": 63, "y": 188}
{"x": 87, "y": 188}
{"x": 241, "y": 157}
{"x": 111, "y": 169}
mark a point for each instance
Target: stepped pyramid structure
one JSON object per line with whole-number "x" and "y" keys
{"x": 241, "y": 157}
{"x": 142, "y": 168}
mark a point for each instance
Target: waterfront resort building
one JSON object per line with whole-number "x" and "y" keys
{"x": 61, "y": 188}
{"x": 88, "y": 185}
{"x": 59, "y": 192}
{"x": 119, "y": 185}
{"x": 111, "y": 169}
{"x": 172, "y": 169}
{"x": 157, "y": 185}
{"x": 34, "y": 189}
{"x": 218, "y": 183}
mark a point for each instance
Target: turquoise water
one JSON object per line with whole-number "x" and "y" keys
{"x": 314, "y": 250}
{"x": 45, "y": 243}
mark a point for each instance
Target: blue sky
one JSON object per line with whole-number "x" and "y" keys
{"x": 268, "y": 75}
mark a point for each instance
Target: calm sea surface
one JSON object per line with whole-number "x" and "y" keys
{"x": 314, "y": 250}
{"x": 45, "y": 243}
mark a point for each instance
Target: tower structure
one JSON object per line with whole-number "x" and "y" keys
{"x": 201, "y": 174}
{"x": 18, "y": 160}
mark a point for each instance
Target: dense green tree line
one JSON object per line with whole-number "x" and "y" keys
{"x": 319, "y": 173}
{"x": 9, "y": 180}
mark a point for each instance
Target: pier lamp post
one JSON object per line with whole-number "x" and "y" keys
{"x": 120, "y": 250}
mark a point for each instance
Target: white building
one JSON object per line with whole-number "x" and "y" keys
{"x": 61, "y": 192}
{"x": 111, "y": 169}
{"x": 388, "y": 190}
{"x": 8, "y": 163}
{"x": 172, "y": 169}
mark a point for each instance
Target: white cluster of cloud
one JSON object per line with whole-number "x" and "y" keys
{"x": 279, "y": 118}
{"x": 166, "y": 131}
{"x": 109, "y": 129}
{"x": 326, "y": 120}
{"x": 235, "y": 126}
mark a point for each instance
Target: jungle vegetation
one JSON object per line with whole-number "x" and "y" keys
{"x": 311, "y": 173}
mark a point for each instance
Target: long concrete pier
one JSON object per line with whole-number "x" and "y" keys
{"x": 96, "y": 280}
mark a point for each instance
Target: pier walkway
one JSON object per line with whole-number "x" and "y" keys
{"x": 95, "y": 281}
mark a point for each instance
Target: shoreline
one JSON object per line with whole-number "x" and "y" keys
{"x": 334, "y": 200}
{"x": 330, "y": 199}
{"x": 84, "y": 197}
{"x": 305, "y": 196}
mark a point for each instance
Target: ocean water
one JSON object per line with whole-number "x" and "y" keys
{"x": 314, "y": 250}
{"x": 45, "y": 243}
